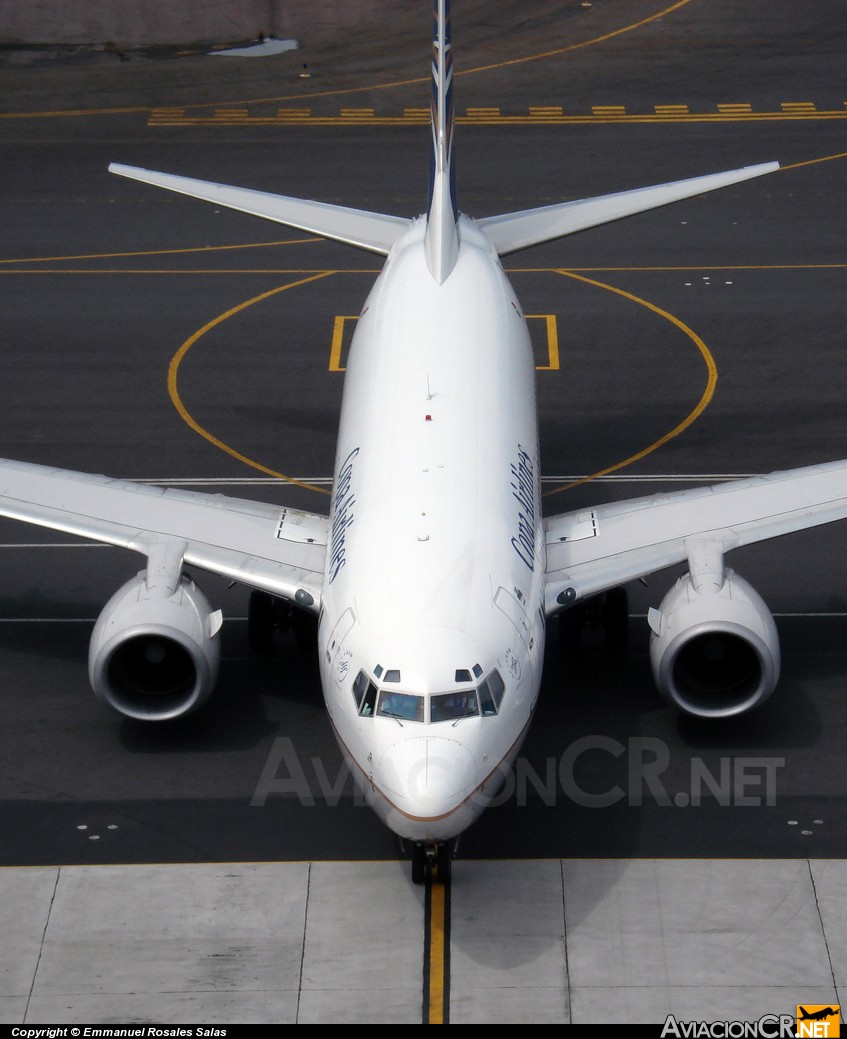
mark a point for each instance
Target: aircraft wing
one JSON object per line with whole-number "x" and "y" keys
{"x": 264, "y": 546}
{"x": 593, "y": 550}
{"x": 512, "y": 231}
{"x": 376, "y": 232}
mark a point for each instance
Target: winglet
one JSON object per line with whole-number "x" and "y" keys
{"x": 442, "y": 233}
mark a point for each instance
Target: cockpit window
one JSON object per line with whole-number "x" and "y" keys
{"x": 360, "y": 684}
{"x": 487, "y": 700}
{"x": 392, "y": 676}
{"x": 462, "y": 674}
{"x": 497, "y": 686}
{"x": 364, "y": 693}
{"x": 451, "y": 706}
{"x": 491, "y": 693}
{"x": 460, "y": 703}
{"x": 404, "y": 706}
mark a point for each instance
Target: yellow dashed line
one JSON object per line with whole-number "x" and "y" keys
{"x": 482, "y": 115}
{"x": 342, "y": 92}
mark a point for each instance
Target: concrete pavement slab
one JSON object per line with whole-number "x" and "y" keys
{"x": 508, "y": 943}
{"x": 723, "y": 928}
{"x": 830, "y": 880}
{"x": 173, "y": 942}
{"x": 363, "y": 955}
{"x": 25, "y": 896}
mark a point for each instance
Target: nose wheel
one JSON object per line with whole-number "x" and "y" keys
{"x": 431, "y": 861}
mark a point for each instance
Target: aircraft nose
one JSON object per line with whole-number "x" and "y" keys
{"x": 429, "y": 776}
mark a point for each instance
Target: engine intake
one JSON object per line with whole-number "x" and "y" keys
{"x": 714, "y": 648}
{"x": 155, "y": 656}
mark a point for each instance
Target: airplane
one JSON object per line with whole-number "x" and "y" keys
{"x": 817, "y": 1015}
{"x": 435, "y": 573}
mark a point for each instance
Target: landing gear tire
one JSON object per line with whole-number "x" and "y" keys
{"x": 605, "y": 615}
{"x": 572, "y": 622}
{"x": 419, "y": 864}
{"x": 443, "y": 858}
{"x": 616, "y": 619}
{"x": 269, "y": 614}
{"x": 427, "y": 858}
{"x": 260, "y": 622}
{"x": 305, "y": 628}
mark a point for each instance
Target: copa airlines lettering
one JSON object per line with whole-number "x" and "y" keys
{"x": 523, "y": 491}
{"x": 342, "y": 516}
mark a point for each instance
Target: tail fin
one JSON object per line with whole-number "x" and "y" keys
{"x": 442, "y": 234}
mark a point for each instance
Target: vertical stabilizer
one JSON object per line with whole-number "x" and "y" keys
{"x": 442, "y": 235}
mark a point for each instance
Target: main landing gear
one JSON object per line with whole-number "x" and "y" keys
{"x": 431, "y": 861}
{"x": 601, "y": 621}
{"x": 268, "y": 614}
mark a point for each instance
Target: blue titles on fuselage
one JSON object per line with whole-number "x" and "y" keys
{"x": 342, "y": 516}
{"x": 523, "y": 491}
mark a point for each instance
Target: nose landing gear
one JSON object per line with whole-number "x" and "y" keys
{"x": 431, "y": 861}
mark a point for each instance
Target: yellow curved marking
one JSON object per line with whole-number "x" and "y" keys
{"x": 359, "y": 90}
{"x": 577, "y": 46}
{"x": 458, "y": 72}
{"x": 176, "y": 361}
{"x": 698, "y": 410}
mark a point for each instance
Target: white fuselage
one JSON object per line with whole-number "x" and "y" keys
{"x": 431, "y": 636}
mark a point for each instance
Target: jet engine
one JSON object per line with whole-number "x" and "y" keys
{"x": 714, "y": 647}
{"x": 155, "y": 650}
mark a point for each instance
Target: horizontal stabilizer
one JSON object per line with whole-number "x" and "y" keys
{"x": 512, "y": 231}
{"x": 372, "y": 231}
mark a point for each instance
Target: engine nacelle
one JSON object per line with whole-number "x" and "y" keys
{"x": 714, "y": 649}
{"x": 153, "y": 655}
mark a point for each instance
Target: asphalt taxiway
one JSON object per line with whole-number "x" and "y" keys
{"x": 223, "y": 869}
